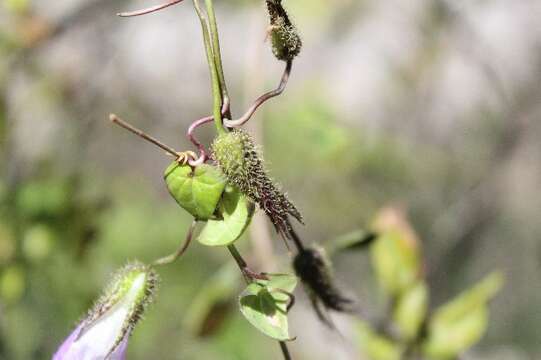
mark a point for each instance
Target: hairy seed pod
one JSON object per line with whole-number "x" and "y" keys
{"x": 240, "y": 160}
{"x": 313, "y": 268}
{"x": 285, "y": 39}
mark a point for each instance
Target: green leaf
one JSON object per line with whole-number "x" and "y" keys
{"x": 285, "y": 282}
{"x": 198, "y": 191}
{"x": 461, "y": 322}
{"x": 411, "y": 309}
{"x": 375, "y": 346}
{"x": 236, "y": 212}
{"x": 265, "y": 306}
{"x": 395, "y": 255}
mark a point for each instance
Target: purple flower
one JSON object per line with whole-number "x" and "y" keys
{"x": 104, "y": 333}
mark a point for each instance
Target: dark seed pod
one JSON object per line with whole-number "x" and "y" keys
{"x": 314, "y": 269}
{"x": 285, "y": 39}
{"x": 240, "y": 161}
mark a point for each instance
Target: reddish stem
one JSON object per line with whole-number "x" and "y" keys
{"x": 263, "y": 98}
{"x": 149, "y": 9}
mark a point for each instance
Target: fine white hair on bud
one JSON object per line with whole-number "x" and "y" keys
{"x": 285, "y": 39}
{"x": 104, "y": 333}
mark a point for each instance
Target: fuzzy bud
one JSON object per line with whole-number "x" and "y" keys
{"x": 314, "y": 269}
{"x": 240, "y": 161}
{"x": 104, "y": 333}
{"x": 285, "y": 39}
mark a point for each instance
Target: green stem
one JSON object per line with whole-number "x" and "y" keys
{"x": 216, "y": 92}
{"x": 216, "y": 48}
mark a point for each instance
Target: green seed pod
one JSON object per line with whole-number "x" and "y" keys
{"x": 238, "y": 157}
{"x": 285, "y": 39}
{"x": 198, "y": 190}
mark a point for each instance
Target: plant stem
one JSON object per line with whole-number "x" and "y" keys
{"x": 180, "y": 251}
{"x": 248, "y": 274}
{"x": 285, "y": 350}
{"x": 217, "y": 52}
{"x": 216, "y": 92}
{"x": 148, "y": 10}
{"x": 116, "y": 120}
{"x": 263, "y": 98}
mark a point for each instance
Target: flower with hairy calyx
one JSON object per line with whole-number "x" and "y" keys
{"x": 239, "y": 158}
{"x": 285, "y": 39}
{"x": 104, "y": 333}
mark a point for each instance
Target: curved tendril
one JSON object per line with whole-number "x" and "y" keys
{"x": 149, "y": 9}
{"x": 190, "y": 134}
{"x": 181, "y": 250}
{"x": 260, "y": 100}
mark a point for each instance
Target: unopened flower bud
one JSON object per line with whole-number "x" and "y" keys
{"x": 285, "y": 39}
{"x": 104, "y": 333}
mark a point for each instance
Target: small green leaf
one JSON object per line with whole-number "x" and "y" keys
{"x": 461, "y": 322}
{"x": 375, "y": 346}
{"x": 285, "y": 282}
{"x": 236, "y": 212}
{"x": 266, "y": 308}
{"x": 410, "y": 311}
{"x": 395, "y": 255}
{"x": 198, "y": 191}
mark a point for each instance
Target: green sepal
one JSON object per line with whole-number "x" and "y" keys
{"x": 196, "y": 190}
{"x": 264, "y": 305}
{"x": 235, "y": 212}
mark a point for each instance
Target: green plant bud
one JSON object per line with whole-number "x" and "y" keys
{"x": 314, "y": 269}
{"x": 197, "y": 190}
{"x": 240, "y": 160}
{"x": 285, "y": 39}
{"x": 122, "y": 304}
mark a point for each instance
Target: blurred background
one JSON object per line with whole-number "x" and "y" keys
{"x": 432, "y": 106}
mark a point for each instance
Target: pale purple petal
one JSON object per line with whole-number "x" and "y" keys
{"x": 63, "y": 349}
{"x": 120, "y": 351}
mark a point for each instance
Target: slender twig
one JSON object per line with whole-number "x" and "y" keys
{"x": 116, "y": 120}
{"x": 249, "y": 275}
{"x": 215, "y": 82}
{"x": 285, "y": 350}
{"x": 263, "y": 98}
{"x": 181, "y": 250}
{"x": 149, "y": 9}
